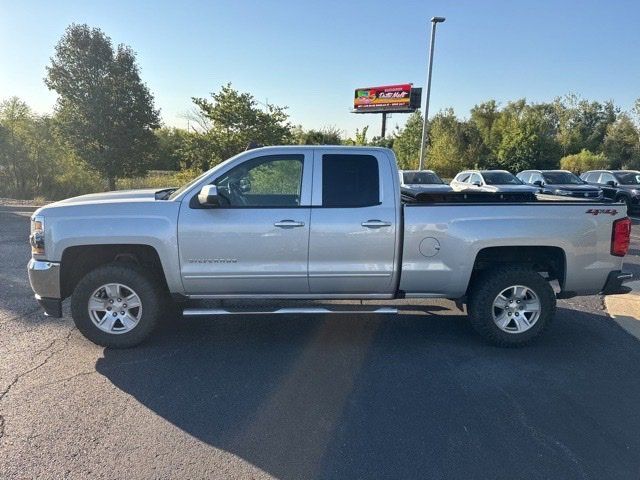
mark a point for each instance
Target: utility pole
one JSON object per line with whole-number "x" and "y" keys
{"x": 434, "y": 22}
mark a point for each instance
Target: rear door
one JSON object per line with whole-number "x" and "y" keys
{"x": 354, "y": 223}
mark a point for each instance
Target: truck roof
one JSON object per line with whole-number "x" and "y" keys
{"x": 323, "y": 147}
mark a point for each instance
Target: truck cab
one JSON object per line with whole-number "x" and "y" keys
{"x": 293, "y": 222}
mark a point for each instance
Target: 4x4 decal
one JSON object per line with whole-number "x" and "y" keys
{"x": 604, "y": 211}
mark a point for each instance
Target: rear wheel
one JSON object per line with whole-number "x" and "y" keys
{"x": 117, "y": 305}
{"x": 510, "y": 306}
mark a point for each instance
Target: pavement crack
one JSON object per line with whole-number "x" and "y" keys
{"x": 17, "y": 378}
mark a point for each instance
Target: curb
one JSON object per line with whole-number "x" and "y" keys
{"x": 625, "y": 309}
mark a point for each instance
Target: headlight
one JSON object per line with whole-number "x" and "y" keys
{"x": 36, "y": 239}
{"x": 563, "y": 192}
{"x": 635, "y": 192}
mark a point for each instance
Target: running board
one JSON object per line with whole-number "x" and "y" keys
{"x": 195, "y": 312}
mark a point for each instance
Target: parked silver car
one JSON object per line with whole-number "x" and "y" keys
{"x": 497, "y": 181}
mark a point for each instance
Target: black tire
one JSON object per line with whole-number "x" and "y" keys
{"x": 626, "y": 200}
{"x": 152, "y": 297}
{"x": 486, "y": 288}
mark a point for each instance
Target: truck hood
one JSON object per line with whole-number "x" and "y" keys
{"x": 116, "y": 196}
{"x": 108, "y": 201}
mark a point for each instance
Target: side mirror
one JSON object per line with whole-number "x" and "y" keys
{"x": 477, "y": 184}
{"x": 208, "y": 196}
{"x": 611, "y": 183}
{"x": 538, "y": 183}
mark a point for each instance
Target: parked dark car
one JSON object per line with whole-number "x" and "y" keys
{"x": 618, "y": 185}
{"x": 561, "y": 182}
{"x": 422, "y": 181}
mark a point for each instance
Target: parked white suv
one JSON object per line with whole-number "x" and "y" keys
{"x": 497, "y": 181}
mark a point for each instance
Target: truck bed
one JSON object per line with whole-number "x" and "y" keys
{"x": 409, "y": 197}
{"x": 441, "y": 243}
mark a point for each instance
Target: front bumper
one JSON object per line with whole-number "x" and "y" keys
{"x": 614, "y": 284}
{"x": 44, "y": 278}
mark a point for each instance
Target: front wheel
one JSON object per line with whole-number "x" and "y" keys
{"x": 117, "y": 305}
{"x": 510, "y": 306}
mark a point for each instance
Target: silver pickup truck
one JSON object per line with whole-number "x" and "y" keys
{"x": 321, "y": 223}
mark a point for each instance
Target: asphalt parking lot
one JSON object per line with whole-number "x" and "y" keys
{"x": 417, "y": 395}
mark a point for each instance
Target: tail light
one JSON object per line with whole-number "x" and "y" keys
{"x": 621, "y": 237}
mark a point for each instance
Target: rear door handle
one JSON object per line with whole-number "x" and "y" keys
{"x": 288, "y": 224}
{"x": 375, "y": 224}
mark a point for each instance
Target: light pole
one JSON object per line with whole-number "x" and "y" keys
{"x": 434, "y": 22}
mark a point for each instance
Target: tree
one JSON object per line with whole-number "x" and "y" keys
{"x": 527, "y": 137}
{"x": 406, "y": 142}
{"x": 325, "y": 136}
{"x": 171, "y": 143}
{"x": 104, "y": 110}
{"x": 15, "y": 163}
{"x": 582, "y": 124}
{"x": 484, "y": 117}
{"x": 236, "y": 121}
{"x": 622, "y": 143}
{"x": 452, "y": 144}
{"x": 584, "y": 161}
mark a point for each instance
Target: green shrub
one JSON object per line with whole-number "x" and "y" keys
{"x": 584, "y": 161}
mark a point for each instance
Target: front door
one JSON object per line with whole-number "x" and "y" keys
{"x": 256, "y": 241}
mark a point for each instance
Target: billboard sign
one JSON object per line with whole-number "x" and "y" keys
{"x": 388, "y": 98}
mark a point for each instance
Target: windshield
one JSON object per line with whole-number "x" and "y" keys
{"x": 628, "y": 178}
{"x": 561, "y": 178}
{"x": 420, "y": 178}
{"x": 188, "y": 185}
{"x": 500, "y": 178}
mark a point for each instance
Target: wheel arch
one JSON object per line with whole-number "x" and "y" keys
{"x": 79, "y": 260}
{"x": 546, "y": 259}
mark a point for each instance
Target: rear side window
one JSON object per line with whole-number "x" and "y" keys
{"x": 463, "y": 177}
{"x": 350, "y": 180}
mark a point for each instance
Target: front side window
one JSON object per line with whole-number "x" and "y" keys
{"x": 350, "y": 180}
{"x": 525, "y": 177}
{"x": 607, "y": 177}
{"x": 591, "y": 177}
{"x": 475, "y": 179}
{"x": 536, "y": 177}
{"x": 269, "y": 181}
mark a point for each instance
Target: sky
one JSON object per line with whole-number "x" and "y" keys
{"x": 311, "y": 55}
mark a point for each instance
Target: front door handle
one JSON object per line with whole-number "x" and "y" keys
{"x": 375, "y": 224}
{"x": 288, "y": 224}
